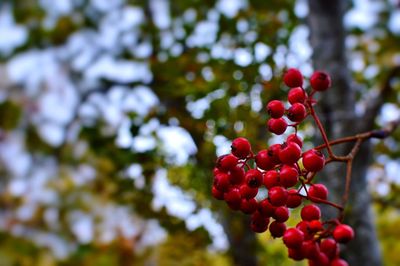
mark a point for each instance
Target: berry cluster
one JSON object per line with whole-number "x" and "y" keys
{"x": 285, "y": 173}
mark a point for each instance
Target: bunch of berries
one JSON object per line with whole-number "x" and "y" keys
{"x": 285, "y": 173}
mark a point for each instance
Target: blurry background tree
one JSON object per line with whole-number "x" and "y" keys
{"x": 112, "y": 114}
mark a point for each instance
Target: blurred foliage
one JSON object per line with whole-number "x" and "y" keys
{"x": 179, "y": 79}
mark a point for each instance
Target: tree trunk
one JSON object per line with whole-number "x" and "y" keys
{"x": 337, "y": 109}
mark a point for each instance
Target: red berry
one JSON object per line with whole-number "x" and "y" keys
{"x": 233, "y": 198}
{"x": 295, "y": 254}
{"x": 275, "y": 109}
{"x": 318, "y": 191}
{"x": 321, "y": 260}
{"x": 320, "y": 81}
{"x": 237, "y": 175}
{"x": 330, "y": 248}
{"x": 290, "y": 153}
{"x": 264, "y": 161}
{"x": 271, "y": 179}
{"x": 259, "y": 223}
{"x": 221, "y": 182}
{"x": 297, "y": 95}
{"x": 273, "y": 153}
{"x": 247, "y": 192}
{"x": 219, "y": 195}
{"x": 253, "y": 178}
{"x": 293, "y": 78}
{"x": 294, "y": 138}
{"x": 278, "y": 196}
{"x": 313, "y": 160}
{"x": 266, "y": 208}
{"x": 277, "y": 125}
{"x": 277, "y": 229}
{"x": 315, "y": 226}
{"x": 339, "y": 262}
{"x": 294, "y": 199}
{"x": 281, "y": 214}
{"x": 288, "y": 176}
{"x": 241, "y": 147}
{"x": 227, "y": 162}
{"x": 303, "y": 226}
{"x": 310, "y": 249}
{"x": 310, "y": 212}
{"x": 293, "y": 238}
{"x": 248, "y": 206}
{"x": 297, "y": 112}
{"x": 216, "y": 171}
{"x": 343, "y": 233}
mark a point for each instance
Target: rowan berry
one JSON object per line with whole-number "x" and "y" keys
{"x": 293, "y": 78}
{"x": 343, "y": 233}
{"x": 318, "y": 191}
{"x": 273, "y": 153}
{"x": 277, "y": 125}
{"x": 294, "y": 138}
{"x": 253, "y": 178}
{"x": 310, "y": 249}
{"x": 259, "y": 223}
{"x": 221, "y": 182}
{"x": 293, "y": 238}
{"x": 248, "y": 206}
{"x": 297, "y": 95}
{"x": 297, "y": 112}
{"x": 295, "y": 254}
{"x": 277, "y": 229}
{"x": 330, "y": 247}
{"x": 275, "y": 109}
{"x": 310, "y": 212}
{"x": 277, "y": 196}
{"x": 241, "y": 147}
{"x": 313, "y": 160}
{"x": 264, "y": 161}
{"x": 219, "y": 195}
{"x": 281, "y": 214}
{"x": 236, "y": 175}
{"x": 320, "y": 81}
{"x": 288, "y": 176}
{"x": 290, "y": 153}
{"x": 294, "y": 199}
{"x": 247, "y": 192}
{"x": 271, "y": 179}
{"x": 339, "y": 262}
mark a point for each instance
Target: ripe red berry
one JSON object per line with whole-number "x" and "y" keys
{"x": 221, "y": 182}
{"x": 233, "y": 198}
{"x": 219, "y": 195}
{"x": 293, "y": 238}
{"x": 275, "y": 109}
{"x": 290, "y": 153}
{"x": 330, "y": 247}
{"x": 315, "y": 226}
{"x": 271, "y": 179}
{"x": 343, "y": 233}
{"x": 295, "y": 254}
{"x": 277, "y": 125}
{"x": 241, "y": 147}
{"x": 266, "y": 208}
{"x": 281, "y": 214}
{"x": 248, "y": 206}
{"x": 318, "y": 191}
{"x": 264, "y": 161}
{"x": 320, "y": 81}
{"x": 293, "y": 78}
{"x": 253, "y": 178}
{"x": 259, "y": 223}
{"x": 247, "y": 192}
{"x": 297, "y": 95}
{"x": 277, "y": 229}
{"x": 339, "y": 262}
{"x": 313, "y": 160}
{"x": 288, "y": 176}
{"x": 303, "y": 226}
{"x": 277, "y": 196}
{"x": 297, "y": 112}
{"x": 227, "y": 162}
{"x": 294, "y": 138}
{"x": 310, "y": 212}
{"x": 294, "y": 199}
{"x": 237, "y": 175}
{"x": 273, "y": 153}
{"x": 310, "y": 249}
{"x": 321, "y": 260}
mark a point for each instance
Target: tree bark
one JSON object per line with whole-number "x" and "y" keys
{"x": 337, "y": 109}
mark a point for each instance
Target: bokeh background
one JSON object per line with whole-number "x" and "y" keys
{"x": 112, "y": 113}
